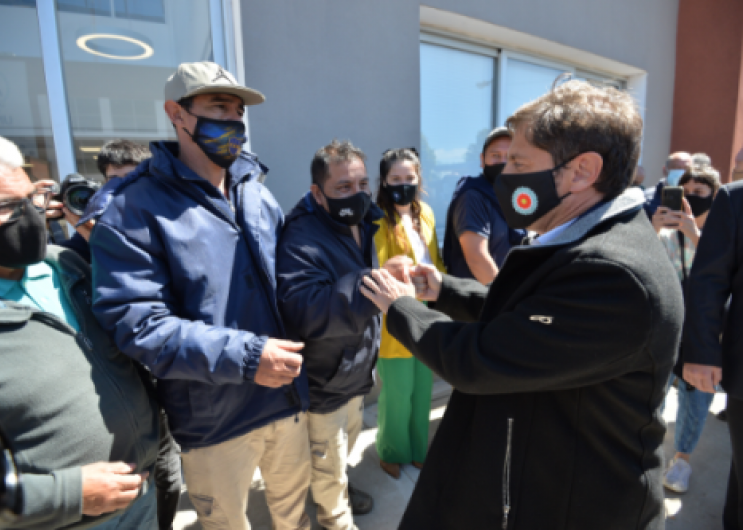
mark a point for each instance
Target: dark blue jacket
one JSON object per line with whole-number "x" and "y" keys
{"x": 187, "y": 287}
{"x": 320, "y": 268}
{"x": 500, "y": 239}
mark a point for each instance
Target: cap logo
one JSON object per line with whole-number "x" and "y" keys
{"x": 524, "y": 201}
{"x": 345, "y": 212}
{"x": 221, "y": 75}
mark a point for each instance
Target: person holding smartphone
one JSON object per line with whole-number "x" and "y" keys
{"x": 679, "y": 231}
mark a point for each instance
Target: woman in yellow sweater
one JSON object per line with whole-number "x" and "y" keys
{"x": 407, "y": 228}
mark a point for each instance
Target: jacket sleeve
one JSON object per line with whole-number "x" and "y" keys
{"x": 381, "y": 243}
{"x": 50, "y": 500}
{"x": 461, "y": 298}
{"x": 313, "y": 303}
{"x": 710, "y": 283}
{"x": 134, "y": 303}
{"x": 581, "y": 327}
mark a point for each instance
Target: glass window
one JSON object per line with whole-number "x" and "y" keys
{"x": 456, "y": 116}
{"x": 525, "y": 82}
{"x": 24, "y": 106}
{"x": 116, "y": 64}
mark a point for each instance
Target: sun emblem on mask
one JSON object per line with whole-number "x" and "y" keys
{"x": 525, "y": 201}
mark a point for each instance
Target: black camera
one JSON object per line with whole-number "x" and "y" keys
{"x": 11, "y": 499}
{"x": 76, "y": 192}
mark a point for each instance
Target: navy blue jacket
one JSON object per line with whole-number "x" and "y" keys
{"x": 186, "y": 286}
{"x": 500, "y": 236}
{"x": 320, "y": 269}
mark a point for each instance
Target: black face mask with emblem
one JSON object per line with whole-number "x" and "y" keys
{"x": 349, "y": 210}
{"x": 525, "y": 197}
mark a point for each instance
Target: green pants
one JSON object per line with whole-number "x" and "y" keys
{"x": 403, "y": 410}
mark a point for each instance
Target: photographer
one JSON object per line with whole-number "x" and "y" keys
{"x": 679, "y": 231}
{"x": 83, "y": 426}
{"x": 117, "y": 158}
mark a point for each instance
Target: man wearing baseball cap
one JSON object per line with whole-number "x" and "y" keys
{"x": 477, "y": 238}
{"x": 183, "y": 252}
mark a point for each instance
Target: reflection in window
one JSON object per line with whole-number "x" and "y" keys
{"x": 456, "y": 116}
{"x": 151, "y": 10}
{"x": 525, "y": 82}
{"x": 112, "y": 95}
{"x": 24, "y": 105}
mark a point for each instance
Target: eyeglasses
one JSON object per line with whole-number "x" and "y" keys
{"x": 13, "y": 209}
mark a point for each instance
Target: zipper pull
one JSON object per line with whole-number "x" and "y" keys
{"x": 506, "y": 509}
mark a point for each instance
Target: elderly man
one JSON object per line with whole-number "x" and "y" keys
{"x": 477, "y": 238}
{"x": 679, "y": 161}
{"x": 183, "y": 250}
{"x": 559, "y": 368}
{"x": 75, "y": 409}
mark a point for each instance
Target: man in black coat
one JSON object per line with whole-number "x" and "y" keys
{"x": 560, "y": 366}
{"x": 716, "y": 278}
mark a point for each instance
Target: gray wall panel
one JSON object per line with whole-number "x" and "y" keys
{"x": 330, "y": 69}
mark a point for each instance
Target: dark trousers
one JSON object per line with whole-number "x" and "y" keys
{"x": 167, "y": 477}
{"x": 732, "y": 516}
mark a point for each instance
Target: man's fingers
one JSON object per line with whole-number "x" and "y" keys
{"x": 289, "y": 345}
{"x": 129, "y": 482}
{"x": 121, "y": 468}
{"x": 716, "y": 376}
{"x": 370, "y": 285}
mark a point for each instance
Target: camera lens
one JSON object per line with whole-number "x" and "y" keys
{"x": 77, "y": 197}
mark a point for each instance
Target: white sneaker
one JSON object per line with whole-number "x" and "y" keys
{"x": 677, "y": 476}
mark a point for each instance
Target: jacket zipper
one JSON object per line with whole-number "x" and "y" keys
{"x": 507, "y": 476}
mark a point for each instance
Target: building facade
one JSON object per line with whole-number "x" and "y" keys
{"x": 382, "y": 73}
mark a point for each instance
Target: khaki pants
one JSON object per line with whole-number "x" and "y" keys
{"x": 219, "y": 476}
{"x": 332, "y": 437}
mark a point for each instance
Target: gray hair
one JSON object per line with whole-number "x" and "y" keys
{"x": 10, "y": 156}
{"x": 701, "y": 160}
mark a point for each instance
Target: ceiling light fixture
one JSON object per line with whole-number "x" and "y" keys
{"x": 98, "y": 42}
{"x": 90, "y": 149}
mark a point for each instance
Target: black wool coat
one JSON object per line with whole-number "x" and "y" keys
{"x": 559, "y": 370}
{"x": 716, "y": 278}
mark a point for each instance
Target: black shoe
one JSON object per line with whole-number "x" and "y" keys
{"x": 361, "y": 502}
{"x": 723, "y": 415}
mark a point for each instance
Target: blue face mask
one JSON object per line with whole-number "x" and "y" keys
{"x": 220, "y": 140}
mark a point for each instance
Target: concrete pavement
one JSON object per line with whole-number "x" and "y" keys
{"x": 699, "y": 509}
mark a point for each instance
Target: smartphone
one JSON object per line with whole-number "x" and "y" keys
{"x": 672, "y": 198}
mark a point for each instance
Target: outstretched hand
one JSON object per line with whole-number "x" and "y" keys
{"x": 383, "y": 289}
{"x": 427, "y": 281}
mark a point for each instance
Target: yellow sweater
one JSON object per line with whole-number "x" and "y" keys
{"x": 388, "y": 247}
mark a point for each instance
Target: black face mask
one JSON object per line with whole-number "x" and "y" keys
{"x": 220, "y": 140}
{"x": 491, "y": 172}
{"x": 525, "y": 197}
{"x": 402, "y": 194}
{"x": 349, "y": 210}
{"x": 699, "y": 205}
{"x": 23, "y": 239}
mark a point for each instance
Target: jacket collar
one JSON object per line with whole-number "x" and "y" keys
{"x": 165, "y": 162}
{"x": 631, "y": 199}
{"x": 70, "y": 267}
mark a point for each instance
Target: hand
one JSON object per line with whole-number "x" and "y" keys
{"x": 662, "y": 219}
{"x": 702, "y": 377}
{"x": 686, "y": 222}
{"x": 54, "y": 208}
{"x": 84, "y": 229}
{"x": 427, "y": 281}
{"x": 397, "y": 266}
{"x": 383, "y": 289}
{"x": 280, "y": 363}
{"x": 109, "y": 486}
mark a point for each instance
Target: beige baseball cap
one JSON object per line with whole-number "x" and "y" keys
{"x": 192, "y": 79}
